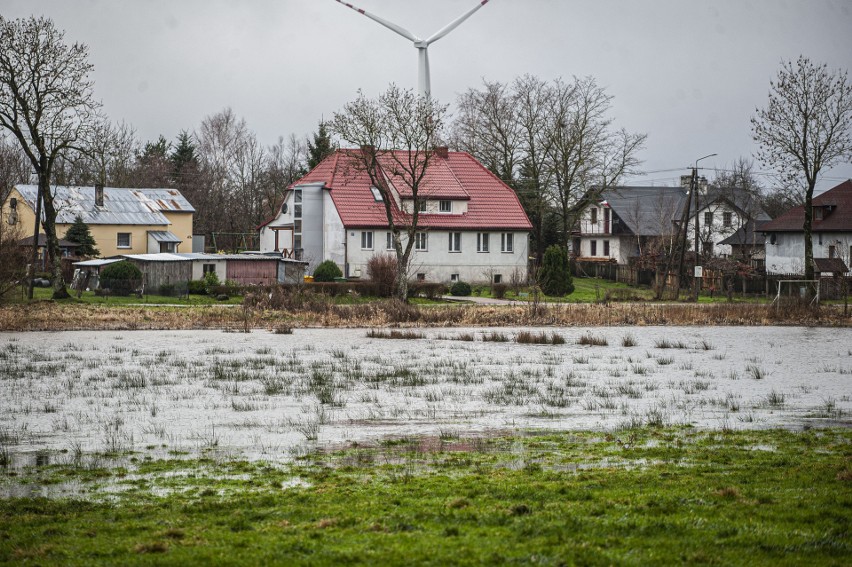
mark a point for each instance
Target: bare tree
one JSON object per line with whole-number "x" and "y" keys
{"x": 46, "y": 102}
{"x": 585, "y": 156}
{"x": 14, "y": 166}
{"x": 487, "y": 127}
{"x": 805, "y": 127}
{"x": 396, "y": 135}
{"x": 285, "y": 163}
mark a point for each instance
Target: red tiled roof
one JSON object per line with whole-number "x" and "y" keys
{"x": 838, "y": 220}
{"x": 491, "y": 204}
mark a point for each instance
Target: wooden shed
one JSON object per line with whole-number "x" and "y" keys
{"x": 160, "y": 270}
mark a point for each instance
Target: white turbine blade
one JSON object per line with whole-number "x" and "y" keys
{"x": 390, "y": 25}
{"x": 454, "y": 24}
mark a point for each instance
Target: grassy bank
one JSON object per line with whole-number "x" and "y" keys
{"x": 316, "y": 311}
{"x": 638, "y": 497}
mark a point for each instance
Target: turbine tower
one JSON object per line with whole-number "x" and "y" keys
{"x": 422, "y": 45}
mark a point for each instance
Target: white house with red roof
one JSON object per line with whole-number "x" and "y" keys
{"x": 471, "y": 225}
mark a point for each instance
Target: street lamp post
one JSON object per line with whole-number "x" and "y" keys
{"x": 697, "y": 271}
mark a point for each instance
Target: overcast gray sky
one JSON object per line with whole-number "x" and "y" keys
{"x": 689, "y": 73}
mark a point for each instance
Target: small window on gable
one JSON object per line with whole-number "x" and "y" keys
{"x": 421, "y": 205}
{"x": 421, "y": 277}
{"x": 389, "y": 239}
{"x": 817, "y": 213}
{"x": 446, "y": 206}
{"x": 708, "y": 218}
{"x": 727, "y": 219}
{"x": 377, "y": 195}
{"x": 366, "y": 240}
{"x": 594, "y": 215}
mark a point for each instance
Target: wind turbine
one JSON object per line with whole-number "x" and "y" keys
{"x": 422, "y": 45}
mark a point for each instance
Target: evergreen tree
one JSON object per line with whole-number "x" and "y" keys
{"x": 183, "y": 154}
{"x": 79, "y": 233}
{"x": 158, "y": 149}
{"x": 555, "y": 278}
{"x": 321, "y": 147}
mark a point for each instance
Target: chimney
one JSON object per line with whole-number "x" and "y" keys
{"x": 99, "y": 195}
{"x": 686, "y": 181}
{"x": 442, "y": 152}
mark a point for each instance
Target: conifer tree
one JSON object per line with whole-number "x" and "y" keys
{"x": 79, "y": 233}
{"x": 321, "y": 147}
{"x": 555, "y": 278}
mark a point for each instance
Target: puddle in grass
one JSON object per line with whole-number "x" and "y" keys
{"x": 263, "y": 396}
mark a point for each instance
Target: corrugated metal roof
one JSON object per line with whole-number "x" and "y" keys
{"x": 121, "y": 206}
{"x": 98, "y": 262}
{"x": 162, "y": 257}
{"x": 163, "y": 236}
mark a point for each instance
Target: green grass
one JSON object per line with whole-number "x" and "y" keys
{"x": 639, "y": 497}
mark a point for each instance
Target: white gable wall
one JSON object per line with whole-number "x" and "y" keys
{"x": 787, "y": 254}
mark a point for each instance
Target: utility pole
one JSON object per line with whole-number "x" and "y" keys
{"x": 697, "y": 270}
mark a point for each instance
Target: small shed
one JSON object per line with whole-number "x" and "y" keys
{"x": 87, "y": 273}
{"x": 160, "y": 270}
{"x": 248, "y": 268}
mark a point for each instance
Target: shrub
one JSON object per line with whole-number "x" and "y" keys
{"x": 167, "y": 290}
{"x": 121, "y": 278}
{"x": 327, "y": 271}
{"x": 197, "y": 287}
{"x": 498, "y": 290}
{"x": 460, "y": 289}
{"x": 381, "y": 269}
{"x": 211, "y": 281}
{"x": 429, "y": 290}
{"x": 555, "y": 277}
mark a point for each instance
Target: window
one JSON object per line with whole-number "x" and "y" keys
{"x": 606, "y": 247}
{"x": 498, "y": 278}
{"x": 727, "y": 219}
{"x": 817, "y": 213}
{"x": 593, "y": 246}
{"x": 421, "y": 205}
{"x": 167, "y": 247}
{"x": 297, "y": 204}
{"x": 482, "y": 242}
{"x": 377, "y": 195}
{"x": 208, "y": 268}
{"x": 421, "y": 277}
{"x": 389, "y": 240}
{"x": 455, "y": 242}
{"x": 454, "y": 277}
{"x": 708, "y": 218}
{"x": 366, "y": 240}
{"x": 446, "y": 206}
{"x": 594, "y": 217}
{"x": 123, "y": 240}
{"x": 420, "y": 241}
{"x": 507, "y": 242}
{"x": 832, "y": 251}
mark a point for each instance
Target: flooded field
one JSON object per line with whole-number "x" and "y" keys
{"x": 74, "y": 395}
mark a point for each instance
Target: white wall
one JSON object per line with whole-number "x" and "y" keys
{"x": 198, "y": 269}
{"x": 438, "y": 264}
{"x": 787, "y": 254}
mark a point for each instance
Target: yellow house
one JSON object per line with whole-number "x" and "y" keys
{"x": 122, "y": 221}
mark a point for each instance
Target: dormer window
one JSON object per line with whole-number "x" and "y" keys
{"x": 421, "y": 205}
{"x": 446, "y": 206}
{"x": 377, "y": 195}
{"x": 817, "y": 213}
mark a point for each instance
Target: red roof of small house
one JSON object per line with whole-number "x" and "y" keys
{"x": 491, "y": 204}
{"x": 837, "y": 213}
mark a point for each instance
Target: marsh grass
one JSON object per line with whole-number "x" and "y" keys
{"x": 592, "y": 340}
{"x": 628, "y": 340}
{"x": 395, "y": 334}
{"x": 542, "y": 338}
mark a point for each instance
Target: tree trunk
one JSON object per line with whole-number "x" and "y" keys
{"x": 54, "y": 253}
{"x": 809, "y": 243}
